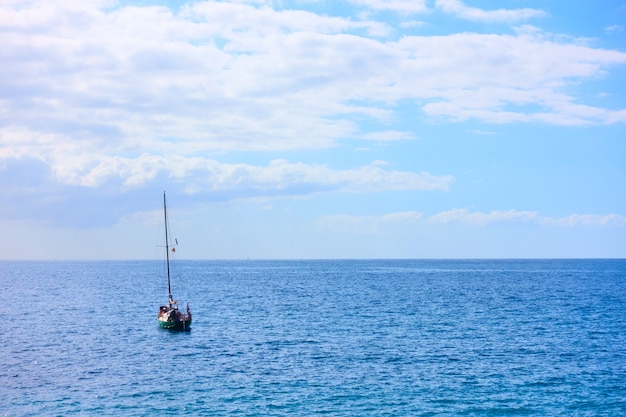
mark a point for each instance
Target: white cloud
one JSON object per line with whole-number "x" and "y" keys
{"x": 504, "y": 79}
{"x": 378, "y": 223}
{"x": 388, "y": 136}
{"x": 412, "y": 24}
{"x": 127, "y": 94}
{"x": 400, "y": 6}
{"x": 465, "y": 216}
{"x": 458, "y": 8}
{"x": 588, "y": 220}
{"x": 477, "y": 218}
{"x": 204, "y": 175}
{"x": 223, "y": 76}
{"x": 283, "y": 175}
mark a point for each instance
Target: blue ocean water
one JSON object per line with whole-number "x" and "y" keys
{"x": 341, "y": 338}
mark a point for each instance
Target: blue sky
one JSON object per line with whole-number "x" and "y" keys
{"x": 313, "y": 129}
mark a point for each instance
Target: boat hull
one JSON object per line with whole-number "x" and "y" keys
{"x": 175, "y": 325}
{"x": 171, "y": 318}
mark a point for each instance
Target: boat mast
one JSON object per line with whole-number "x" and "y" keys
{"x": 167, "y": 252}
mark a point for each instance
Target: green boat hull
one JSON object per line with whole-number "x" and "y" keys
{"x": 175, "y": 325}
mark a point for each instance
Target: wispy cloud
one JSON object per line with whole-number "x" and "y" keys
{"x": 56, "y": 188}
{"x": 211, "y": 175}
{"x": 281, "y": 175}
{"x": 587, "y": 220}
{"x": 477, "y": 218}
{"x": 467, "y": 217}
{"x": 401, "y": 6}
{"x": 388, "y": 136}
{"x": 458, "y": 8}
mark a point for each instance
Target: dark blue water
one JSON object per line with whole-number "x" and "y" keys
{"x": 342, "y": 338}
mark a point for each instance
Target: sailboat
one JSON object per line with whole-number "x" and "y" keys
{"x": 169, "y": 316}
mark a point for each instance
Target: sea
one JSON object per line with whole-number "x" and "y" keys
{"x": 315, "y": 337}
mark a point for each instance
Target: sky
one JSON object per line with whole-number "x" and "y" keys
{"x": 313, "y": 129}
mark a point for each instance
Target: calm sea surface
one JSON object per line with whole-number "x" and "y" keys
{"x": 342, "y": 338}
